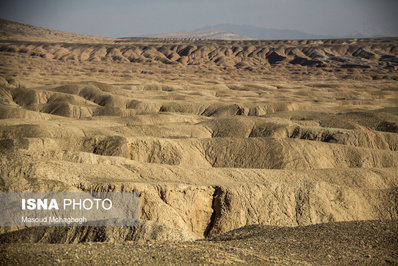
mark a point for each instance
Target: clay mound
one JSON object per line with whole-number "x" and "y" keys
{"x": 349, "y": 120}
{"x": 241, "y": 127}
{"x": 209, "y": 201}
{"x": 268, "y": 153}
{"x": 78, "y": 100}
{"x": 248, "y": 56}
{"x": 88, "y": 99}
{"x": 9, "y": 112}
{"x": 289, "y": 154}
{"x": 238, "y": 127}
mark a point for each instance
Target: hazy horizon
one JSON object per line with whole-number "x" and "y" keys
{"x": 123, "y": 18}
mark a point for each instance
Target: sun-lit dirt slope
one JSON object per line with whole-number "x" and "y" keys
{"x": 10, "y": 30}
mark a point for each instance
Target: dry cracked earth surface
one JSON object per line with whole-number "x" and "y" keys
{"x": 245, "y": 152}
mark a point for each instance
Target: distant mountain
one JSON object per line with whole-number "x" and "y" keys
{"x": 259, "y": 33}
{"x": 206, "y": 33}
{"x": 356, "y": 35}
{"x": 240, "y": 32}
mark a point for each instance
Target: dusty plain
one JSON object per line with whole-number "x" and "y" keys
{"x": 273, "y": 152}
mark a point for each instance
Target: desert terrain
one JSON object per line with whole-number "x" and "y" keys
{"x": 246, "y": 152}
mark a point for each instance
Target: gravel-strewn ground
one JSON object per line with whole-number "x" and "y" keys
{"x": 368, "y": 242}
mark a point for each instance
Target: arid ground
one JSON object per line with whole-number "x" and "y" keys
{"x": 242, "y": 152}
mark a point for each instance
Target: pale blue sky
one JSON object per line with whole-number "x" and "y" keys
{"x": 120, "y": 18}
